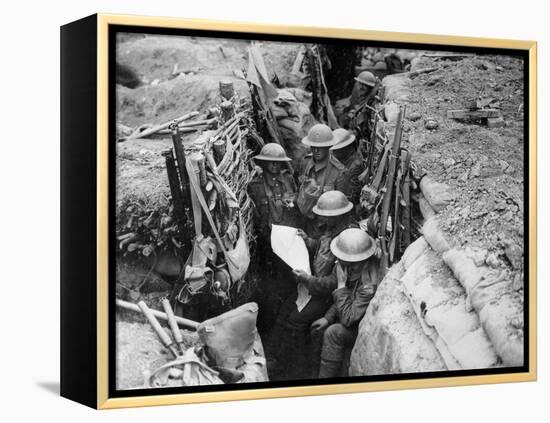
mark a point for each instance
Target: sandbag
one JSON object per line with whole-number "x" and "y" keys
{"x": 438, "y": 195}
{"x": 503, "y": 322}
{"x": 441, "y": 306}
{"x": 492, "y": 296}
{"x": 414, "y": 251}
{"x": 397, "y": 87}
{"x": 230, "y": 336}
{"x": 390, "y": 339}
{"x": 434, "y": 235}
{"x": 426, "y": 210}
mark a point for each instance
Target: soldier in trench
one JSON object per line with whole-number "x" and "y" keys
{"x": 346, "y": 152}
{"x": 354, "y": 112}
{"x": 320, "y": 172}
{"x": 293, "y": 351}
{"x": 352, "y": 284}
{"x": 273, "y": 192}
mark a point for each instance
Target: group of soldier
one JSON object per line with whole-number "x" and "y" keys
{"x": 321, "y": 199}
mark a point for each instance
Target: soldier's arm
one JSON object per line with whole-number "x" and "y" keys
{"x": 322, "y": 285}
{"x": 351, "y": 310}
{"x": 342, "y": 185}
{"x": 332, "y": 315}
{"x": 355, "y": 184}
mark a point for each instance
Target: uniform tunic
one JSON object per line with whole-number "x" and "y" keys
{"x": 319, "y": 249}
{"x": 331, "y": 177}
{"x": 333, "y": 180}
{"x": 349, "y": 306}
{"x": 271, "y": 195}
{"x": 354, "y": 166}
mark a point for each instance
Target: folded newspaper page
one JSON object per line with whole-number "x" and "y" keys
{"x": 291, "y": 248}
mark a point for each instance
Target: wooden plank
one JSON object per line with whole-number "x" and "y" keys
{"x": 495, "y": 122}
{"x": 157, "y": 128}
{"x": 473, "y": 114}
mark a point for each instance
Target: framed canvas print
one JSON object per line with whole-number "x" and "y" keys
{"x": 254, "y": 211}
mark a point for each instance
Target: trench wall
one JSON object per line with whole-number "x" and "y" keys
{"x": 441, "y": 307}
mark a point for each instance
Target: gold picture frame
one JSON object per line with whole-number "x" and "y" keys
{"x": 102, "y": 398}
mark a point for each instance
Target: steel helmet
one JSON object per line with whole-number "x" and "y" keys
{"x": 344, "y": 138}
{"x": 332, "y": 203}
{"x": 320, "y": 135}
{"x": 272, "y": 152}
{"x": 353, "y": 245}
{"x": 366, "y": 78}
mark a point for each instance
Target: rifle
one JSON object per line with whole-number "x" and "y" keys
{"x": 175, "y": 188}
{"x": 397, "y": 222}
{"x": 406, "y": 218}
{"x": 388, "y": 189}
{"x": 372, "y": 146}
{"x": 185, "y": 190}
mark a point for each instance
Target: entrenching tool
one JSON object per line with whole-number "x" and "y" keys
{"x": 163, "y": 336}
{"x": 187, "y": 323}
{"x": 173, "y": 324}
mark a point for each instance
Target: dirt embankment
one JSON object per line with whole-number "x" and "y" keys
{"x": 483, "y": 166}
{"x": 459, "y": 288}
{"x": 181, "y": 74}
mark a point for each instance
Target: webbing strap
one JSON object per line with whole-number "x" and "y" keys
{"x": 198, "y": 196}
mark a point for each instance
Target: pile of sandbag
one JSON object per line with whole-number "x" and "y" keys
{"x": 443, "y": 310}
{"x": 391, "y": 339}
{"x": 384, "y": 61}
{"x": 439, "y": 308}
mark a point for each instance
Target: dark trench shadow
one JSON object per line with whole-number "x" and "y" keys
{"x": 51, "y": 387}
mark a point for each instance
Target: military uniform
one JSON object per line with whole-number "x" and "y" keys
{"x": 272, "y": 195}
{"x": 329, "y": 177}
{"x": 354, "y": 166}
{"x": 349, "y": 306}
{"x": 323, "y": 259}
{"x": 293, "y": 349}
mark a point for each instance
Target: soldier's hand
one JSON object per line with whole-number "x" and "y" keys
{"x": 300, "y": 275}
{"x": 378, "y": 251}
{"x": 341, "y": 276}
{"x": 319, "y": 324}
{"x": 302, "y": 234}
{"x": 258, "y": 170}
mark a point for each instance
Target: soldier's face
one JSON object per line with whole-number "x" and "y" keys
{"x": 363, "y": 89}
{"x": 319, "y": 153}
{"x": 330, "y": 221}
{"x": 352, "y": 265}
{"x": 273, "y": 167}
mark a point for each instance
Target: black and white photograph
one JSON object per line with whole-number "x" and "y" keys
{"x": 296, "y": 212}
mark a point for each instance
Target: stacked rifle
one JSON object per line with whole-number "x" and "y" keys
{"x": 221, "y": 160}
{"x": 321, "y": 106}
{"x": 387, "y": 196}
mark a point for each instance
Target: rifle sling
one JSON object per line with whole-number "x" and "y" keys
{"x": 197, "y": 196}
